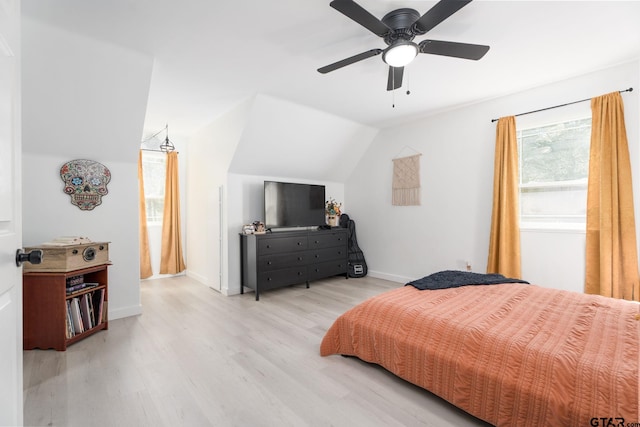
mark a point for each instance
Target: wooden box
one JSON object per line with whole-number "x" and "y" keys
{"x": 62, "y": 258}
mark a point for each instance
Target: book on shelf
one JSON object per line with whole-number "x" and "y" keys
{"x": 97, "y": 304}
{"x": 92, "y": 311}
{"x": 80, "y": 287}
{"x": 105, "y": 313}
{"x": 76, "y": 317}
{"x": 84, "y": 312}
{"x": 75, "y": 280}
{"x": 69, "y": 330}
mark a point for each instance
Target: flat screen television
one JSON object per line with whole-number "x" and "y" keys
{"x": 288, "y": 204}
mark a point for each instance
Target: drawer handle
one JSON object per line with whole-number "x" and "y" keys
{"x": 268, "y": 279}
{"x": 317, "y": 241}
{"x": 299, "y": 243}
{"x": 300, "y": 258}
{"x": 317, "y": 256}
{"x": 299, "y": 273}
{"x": 269, "y": 263}
{"x": 268, "y": 246}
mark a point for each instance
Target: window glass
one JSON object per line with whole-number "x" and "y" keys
{"x": 554, "y": 166}
{"x": 153, "y": 170}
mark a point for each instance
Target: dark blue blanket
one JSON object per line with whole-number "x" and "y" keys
{"x": 453, "y": 279}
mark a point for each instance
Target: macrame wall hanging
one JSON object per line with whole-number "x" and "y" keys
{"x": 406, "y": 181}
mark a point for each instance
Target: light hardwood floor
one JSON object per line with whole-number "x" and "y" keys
{"x": 197, "y": 358}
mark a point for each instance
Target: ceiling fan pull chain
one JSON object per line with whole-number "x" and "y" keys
{"x": 408, "y": 83}
{"x": 393, "y": 90}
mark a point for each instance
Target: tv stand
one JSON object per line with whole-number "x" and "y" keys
{"x": 274, "y": 260}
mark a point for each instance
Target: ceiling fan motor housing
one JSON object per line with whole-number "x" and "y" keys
{"x": 401, "y": 23}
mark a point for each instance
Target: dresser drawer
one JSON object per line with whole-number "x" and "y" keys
{"x": 327, "y": 239}
{"x": 287, "y": 276}
{"x": 327, "y": 254}
{"x": 281, "y": 244}
{"x": 280, "y": 261}
{"x": 326, "y": 269}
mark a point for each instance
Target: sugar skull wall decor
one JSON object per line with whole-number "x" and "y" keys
{"x": 86, "y": 182}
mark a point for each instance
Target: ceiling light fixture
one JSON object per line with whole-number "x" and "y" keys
{"x": 400, "y": 53}
{"x": 167, "y": 146}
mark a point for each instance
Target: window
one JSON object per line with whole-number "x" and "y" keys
{"x": 554, "y": 167}
{"x": 154, "y": 170}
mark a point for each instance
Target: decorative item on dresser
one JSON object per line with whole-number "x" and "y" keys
{"x": 286, "y": 258}
{"x": 333, "y": 211}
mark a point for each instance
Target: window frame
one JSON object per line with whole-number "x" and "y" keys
{"x": 151, "y": 156}
{"x": 542, "y": 119}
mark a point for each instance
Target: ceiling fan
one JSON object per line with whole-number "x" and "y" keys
{"x": 398, "y": 28}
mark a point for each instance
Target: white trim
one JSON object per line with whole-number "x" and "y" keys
{"x": 125, "y": 312}
{"x": 198, "y": 277}
{"x": 390, "y": 277}
{"x": 553, "y": 227}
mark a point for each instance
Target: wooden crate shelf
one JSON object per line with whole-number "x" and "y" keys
{"x": 46, "y": 303}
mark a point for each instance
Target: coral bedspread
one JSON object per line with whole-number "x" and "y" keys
{"x": 510, "y": 354}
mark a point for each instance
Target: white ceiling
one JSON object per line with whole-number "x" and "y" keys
{"x": 212, "y": 55}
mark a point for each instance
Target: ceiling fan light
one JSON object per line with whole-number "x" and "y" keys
{"x": 400, "y": 54}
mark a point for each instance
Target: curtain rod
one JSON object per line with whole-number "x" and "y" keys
{"x": 159, "y": 151}
{"x": 561, "y": 105}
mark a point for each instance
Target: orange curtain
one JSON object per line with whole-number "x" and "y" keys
{"x": 504, "y": 244}
{"x": 171, "y": 260}
{"x": 145, "y": 257}
{"x": 611, "y": 252}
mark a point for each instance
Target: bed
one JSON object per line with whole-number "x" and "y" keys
{"x": 511, "y": 354}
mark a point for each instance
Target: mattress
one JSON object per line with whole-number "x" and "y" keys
{"x": 510, "y": 354}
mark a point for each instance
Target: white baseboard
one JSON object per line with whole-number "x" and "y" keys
{"x": 390, "y": 277}
{"x": 199, "y": 277}
{"x": 125, "y": 312}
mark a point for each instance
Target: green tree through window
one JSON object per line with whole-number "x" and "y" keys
{"x": 554, "y": 166}
{"x": 154, "y": 170}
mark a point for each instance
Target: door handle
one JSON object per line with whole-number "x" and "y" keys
{"x": 34, "y": 257}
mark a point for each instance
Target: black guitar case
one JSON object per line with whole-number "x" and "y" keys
{"x": 357, "y": 265}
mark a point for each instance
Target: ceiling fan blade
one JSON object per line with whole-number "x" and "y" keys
{"x": 438, "y": 13}
{"x": 456, "y": 50}
{"x": 357, "y": 13}
{"x": 395, "y": 78}
{"x": 350, "y": 60}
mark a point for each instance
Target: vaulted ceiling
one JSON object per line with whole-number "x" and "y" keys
{"x": 211, "y": 55}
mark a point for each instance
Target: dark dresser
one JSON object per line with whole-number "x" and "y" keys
{"x": 284, "y": 258}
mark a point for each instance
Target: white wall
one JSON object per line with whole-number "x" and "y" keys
{"x": 452, "y": 225}
{"x": 84, "y": 99}
{"x": 286, "y": 139}
{"x": 210, "y": 153}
